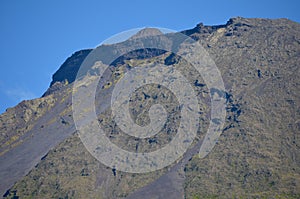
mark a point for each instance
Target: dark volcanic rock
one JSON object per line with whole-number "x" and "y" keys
{"x": 70, "y": 67}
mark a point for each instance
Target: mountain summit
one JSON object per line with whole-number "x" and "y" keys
{"x": 146, "y": 32}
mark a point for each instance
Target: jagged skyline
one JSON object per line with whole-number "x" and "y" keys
{"x": 36, "y": 37}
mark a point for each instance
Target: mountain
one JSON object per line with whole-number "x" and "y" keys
{"x": 256, "y": 156}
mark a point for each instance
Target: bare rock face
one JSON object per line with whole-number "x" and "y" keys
{"x": 257, "y": 155}
{"x": 68, "y": 70}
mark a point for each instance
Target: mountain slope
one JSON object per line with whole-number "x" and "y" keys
{"x": 257, "y": 155}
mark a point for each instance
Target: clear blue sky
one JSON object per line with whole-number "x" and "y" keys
{"x": 37, "y": 36}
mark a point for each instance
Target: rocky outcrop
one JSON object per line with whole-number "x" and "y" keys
{"x": 68, "y": 70}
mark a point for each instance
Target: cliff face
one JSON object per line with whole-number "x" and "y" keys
{"x": 69, "y": 69}
{"x": 257, "y": 155}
